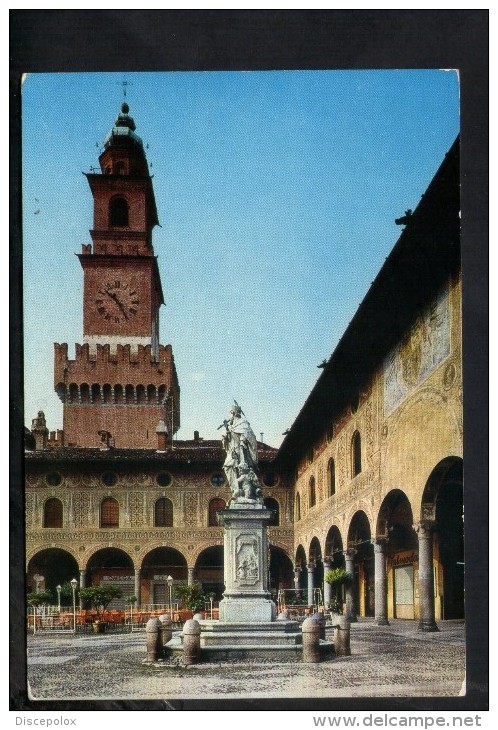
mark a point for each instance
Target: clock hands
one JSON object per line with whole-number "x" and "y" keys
{"x": 120, "y": 304}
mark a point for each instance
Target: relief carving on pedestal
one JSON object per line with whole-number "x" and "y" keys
{"x": 246, "y": 560}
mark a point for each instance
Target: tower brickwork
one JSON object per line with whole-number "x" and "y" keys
{"x": 122, "y": 382}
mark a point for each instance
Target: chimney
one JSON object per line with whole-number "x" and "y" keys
{"x": 40, "y": 431}
{"x": 106, "y": 440}
{"x": 162, "y": 436}
{"x": 196, "y": 436}
{"x": 60, "y": 437}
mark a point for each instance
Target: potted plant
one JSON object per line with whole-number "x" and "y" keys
{"x": 38, "y": 599}
{"x": 338, "y": 579}
{"x": 99, "y": 597}
{"x": 131, "y": 600}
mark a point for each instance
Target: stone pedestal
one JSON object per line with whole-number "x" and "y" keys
{"x": 246, "y": 598}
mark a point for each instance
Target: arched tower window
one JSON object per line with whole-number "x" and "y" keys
{"x": 163, "y": 513}
{"x": 140, "y": 394}
{"x": 273, "y": 505}
{"x": 118, "y": 394}
{"x": 312, "y": 492}
{"x": 356, "y": 453}
{"x": 95, "y": 393}
{"x": 297, "y": 507}
{"x": 109, "y": 512}
{"x": 130, "y": 394}
{"x": 215, "y": 504}
{"x": 151, "y": 394}
{"x": 52, "y": 513}
{"x": 331, "y": 477}
{"x": 118, "y": 212}
{"x": 73, "y": 393}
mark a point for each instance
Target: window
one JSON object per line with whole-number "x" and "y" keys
{"x": 312, "y": 492}
{"x": 52, "y": 513}
{"x": 310, "y": 455}
{"x": 330, "y": 432}
{"x": 356, "y": 453}
{"x": 163, "y": 479}
{"x": 107, "y": 393}
{"x": 273, "y": 505}
{"x": 331, "y": 477}
{"x": 109, "y": 478}
{"x": 270, "y": 479}
{"x": 118, "y": 212}
{"x": 140, "y": 394}
{"x": 163, "y": 513}
{"x": 109, "y": 513}
{"x": 297, "y": 508}
{"x": 218, "y": 479}
{"x": 53, "y": 479}
{"x": 215, "y": 504}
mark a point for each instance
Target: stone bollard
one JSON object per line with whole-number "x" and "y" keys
{"x": 154, "y": 643}
{"x": 191, "y": 636}
{"x": 165, "y": 630}
{"x": 320, "y": 617}
{"x": 342, "y": 635}
{"x": 311, "y": 639}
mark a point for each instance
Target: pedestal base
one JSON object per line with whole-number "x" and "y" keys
{"x": 238, "y": 609}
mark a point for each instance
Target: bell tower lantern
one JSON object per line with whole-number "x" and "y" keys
{"x": 122, "y": 379}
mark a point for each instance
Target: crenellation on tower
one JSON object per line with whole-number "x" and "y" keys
{"x": 121, "y": 381}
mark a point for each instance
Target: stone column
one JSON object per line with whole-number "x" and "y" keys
{"x": 327, "y": 588}
{"x": 350, "y": 590}
{"x": 83, "y": 578}
{"x": 190, "y": 576}
{"x": 311, "y": 582}
{"x": 380, "y": 582}
{"x": 297, "y": 577}
{"x": 137, "y": 587}
{"x": 427, "y": 616}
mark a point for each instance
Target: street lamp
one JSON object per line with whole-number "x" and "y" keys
{"x": 74, "y": 583}
{"x": 58, "y": 589}
{"x": 169, "y": 580}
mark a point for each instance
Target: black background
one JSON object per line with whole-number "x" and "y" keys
{"x": 134, "y": 40}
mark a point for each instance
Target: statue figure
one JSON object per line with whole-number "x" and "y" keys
{"x": 241, "y": 460}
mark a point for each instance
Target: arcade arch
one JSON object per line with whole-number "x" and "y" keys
{"x": 360, "y": 599}
{"x": 49, "y": 568}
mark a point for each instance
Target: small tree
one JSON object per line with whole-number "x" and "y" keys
{"x": 191, "y": 597}
{"x": 38, "y": 599}
{"x": 99, "y": 597}
{"x": 337, "y": 578}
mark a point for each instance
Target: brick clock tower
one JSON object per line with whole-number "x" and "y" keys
{"x": 122, "y": 382}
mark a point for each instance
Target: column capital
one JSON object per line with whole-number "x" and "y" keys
{"x": 327, "y": 562}
{"x": 350, "y": 553}
{"x": 424, "y": 528}
{"x": 380, "y": 544}
{"x": 297, "y": 569}
{"x": 311, "y": 566}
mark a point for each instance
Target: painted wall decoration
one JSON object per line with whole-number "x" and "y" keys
{"x": 424, "y": 347}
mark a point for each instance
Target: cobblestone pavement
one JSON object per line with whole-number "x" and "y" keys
{"x": 387, "y": 661}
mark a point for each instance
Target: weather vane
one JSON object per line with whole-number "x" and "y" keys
{"x": 124, "y": 84}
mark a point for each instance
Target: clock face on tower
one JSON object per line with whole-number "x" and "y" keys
{"x": 117, "y": 301}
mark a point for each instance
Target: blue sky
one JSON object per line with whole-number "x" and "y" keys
{"x": 276, "y": 194}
